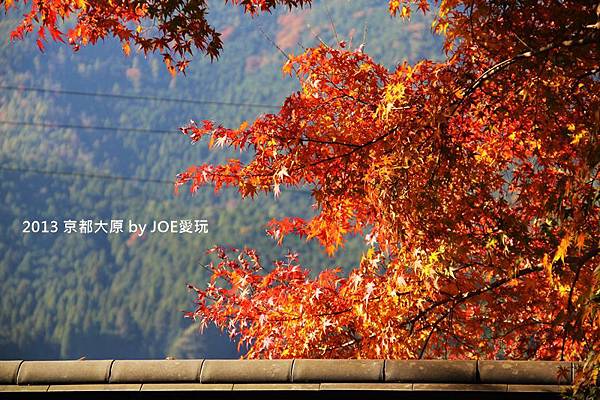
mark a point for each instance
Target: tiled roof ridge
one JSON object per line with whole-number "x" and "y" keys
{"x": 288, "y": 374}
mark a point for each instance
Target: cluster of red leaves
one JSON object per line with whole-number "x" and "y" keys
{"x": 474, "y": 180}
{"x": 284, "y": 312}
{"x": 378, "y": 310}
{"x": 173, "y": 28}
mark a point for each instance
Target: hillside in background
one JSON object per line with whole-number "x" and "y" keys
{"x": 116, "y": 295}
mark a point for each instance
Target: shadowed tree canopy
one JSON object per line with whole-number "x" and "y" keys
{"x": 474, "y": 181}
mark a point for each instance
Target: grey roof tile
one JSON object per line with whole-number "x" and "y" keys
{"x": 337, "y": 371}
{"x": 48, "y": 372}
{"x": 526, "y": 372}
{"x": 8, "y": 371}
{"x": 246, "y": 371}
{"x": 430, "y": 371}
{"x": 141, "y": 371}
{"x": 541, "y": 378}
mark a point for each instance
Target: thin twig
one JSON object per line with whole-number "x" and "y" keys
{"x": 328, "y": 11}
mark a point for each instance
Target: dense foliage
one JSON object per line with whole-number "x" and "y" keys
{"x": 474, "y": 180}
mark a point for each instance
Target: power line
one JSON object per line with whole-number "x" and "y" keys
{"x": 86, "y": 127}
{"x": 136, "y": 97}
{"x": 85, "y": 175}
{"x": 106, "y": 177}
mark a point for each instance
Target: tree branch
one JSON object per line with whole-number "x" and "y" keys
{"x": 433, "y": 329}
{"x": 493, "y": 70}
{"x": 462, "y": 297}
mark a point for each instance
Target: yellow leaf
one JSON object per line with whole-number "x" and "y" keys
{"x": 287, "y": 67}
{"x": 523, "y": 94}
{"x": 442, "y": 28}
{"x": 483, "y": 156}
{"x": 243, "y": 125}
{"x": 578, "y": 136}
{"x": 563, "y": 289}
{"x": 491, "y": 243}
{"x": 365, "y": 67}
{"x": 405, "y": 12}
{"x": 126, "y": 48}
{"x": 562, "y": 248}
{"x": 513, "y": 282}
{"x": 138, "y": 29}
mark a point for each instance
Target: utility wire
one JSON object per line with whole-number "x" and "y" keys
{"x": 106, "y": 177}
{"x": 136, "y": 97}
{"x": 85, "y": 175}
{"x": 95, "y": 128}
{"x": 104, "y": 128}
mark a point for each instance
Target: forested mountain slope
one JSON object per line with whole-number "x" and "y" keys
{"x": 115, "y": 295}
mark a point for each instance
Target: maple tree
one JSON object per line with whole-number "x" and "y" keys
{"x": 473, "y": 180}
